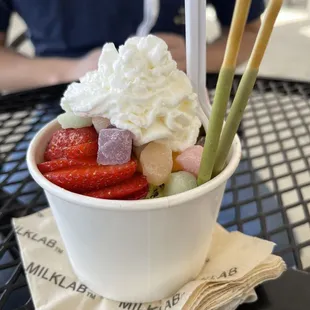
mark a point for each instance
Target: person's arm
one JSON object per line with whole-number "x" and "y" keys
{"x": 216, "y": 50}
{"x": 20, "y": 72}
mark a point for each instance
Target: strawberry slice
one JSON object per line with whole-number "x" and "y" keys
{"x": 142, "y": 193}
{"x": 86, "y": 179}
{"x": 62, "y": 163}
{"x": 52, "y": 152}
{"x": 131, "y": 186}
{"x": 63, "y": 138}
{"x": 82, "y": 151}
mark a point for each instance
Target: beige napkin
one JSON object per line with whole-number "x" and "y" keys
{"x": 236, "y": 265}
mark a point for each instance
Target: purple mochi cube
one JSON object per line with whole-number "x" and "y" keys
{"x": 114, "y": 146}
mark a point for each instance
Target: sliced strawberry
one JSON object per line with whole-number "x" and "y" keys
{"x": 86, "y": 179}
{"x": 63, "y": 163}
{"x": 52, "y": 152}
{"x": 64, "y": 138}
{"x": 82, "y": 151}
{"x": 121, "y": 190}
{"x": 142, "y": 193}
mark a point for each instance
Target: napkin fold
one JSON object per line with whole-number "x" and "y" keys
{"x": 235, "y": 266}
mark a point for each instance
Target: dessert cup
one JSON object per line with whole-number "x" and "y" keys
{"x": 134, "y": 251}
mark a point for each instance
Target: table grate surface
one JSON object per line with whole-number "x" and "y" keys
{"x": 268, "y": 196}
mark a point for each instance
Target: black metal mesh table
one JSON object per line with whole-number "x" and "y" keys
{"x": 268, "y": 196}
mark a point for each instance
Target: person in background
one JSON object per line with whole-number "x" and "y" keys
{"x": 68, "y": 35}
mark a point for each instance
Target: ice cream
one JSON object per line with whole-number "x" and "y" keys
{"x": 137, "y": 96}
{"x": 139, "y": 89}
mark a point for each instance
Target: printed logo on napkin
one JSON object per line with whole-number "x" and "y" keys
{"x": 236, "y": 264}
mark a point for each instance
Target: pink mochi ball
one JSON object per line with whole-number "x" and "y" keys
{"x": 190, "y": 159}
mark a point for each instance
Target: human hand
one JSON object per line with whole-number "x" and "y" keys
{"x": 176, "y": 46}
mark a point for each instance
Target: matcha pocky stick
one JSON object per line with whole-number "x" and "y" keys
{"x": 246, "y": 86}
{"x": 223, "y": 90}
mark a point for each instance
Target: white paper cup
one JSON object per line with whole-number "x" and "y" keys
{"x": 134, "y": 251}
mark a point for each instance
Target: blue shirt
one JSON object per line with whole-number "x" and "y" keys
{"x": 73, "y": 27}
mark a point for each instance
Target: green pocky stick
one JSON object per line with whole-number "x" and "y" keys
{"x": 246, "y": 86}
{"x": 223, "y": 89}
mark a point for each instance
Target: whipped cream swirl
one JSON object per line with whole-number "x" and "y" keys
{"x": 139, "y": 88}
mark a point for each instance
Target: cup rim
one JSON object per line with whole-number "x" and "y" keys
{"x": 44, "y": 135}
